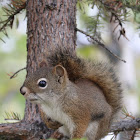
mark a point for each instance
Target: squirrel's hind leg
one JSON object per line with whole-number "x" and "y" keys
{"x": 64, "y": 131}
{"x": 91, "y": 131}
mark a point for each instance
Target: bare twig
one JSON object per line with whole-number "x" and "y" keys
{"x": 100, "y": 44}
{"x": 127, "y": 114}
{"x": 17, "y": 72}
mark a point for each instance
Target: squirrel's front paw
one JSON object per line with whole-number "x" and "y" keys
{"x": 57, "y": 135}
{"x": 53, "y": 124}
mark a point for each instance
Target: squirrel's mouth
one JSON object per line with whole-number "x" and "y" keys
{"x": 32, "y": 100}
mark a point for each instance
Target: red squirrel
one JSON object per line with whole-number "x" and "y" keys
{"x": 81, "y": 96}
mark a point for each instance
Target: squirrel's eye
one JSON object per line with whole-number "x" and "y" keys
{"x": 42, "y": 83}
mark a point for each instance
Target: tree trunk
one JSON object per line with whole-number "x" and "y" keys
{"x": 50, "y": 24}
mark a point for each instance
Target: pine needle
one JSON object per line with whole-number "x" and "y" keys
{"x": 12, "y": 116}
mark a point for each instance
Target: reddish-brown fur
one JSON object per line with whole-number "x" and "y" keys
{"x": 90, "y": 94}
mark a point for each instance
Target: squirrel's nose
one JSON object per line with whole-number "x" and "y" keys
{"x": 23, "y": 90}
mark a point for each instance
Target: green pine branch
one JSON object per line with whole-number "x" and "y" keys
{"x": 12, "y": 9}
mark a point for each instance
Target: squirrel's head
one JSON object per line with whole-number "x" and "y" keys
{"x": 45, "y": 84}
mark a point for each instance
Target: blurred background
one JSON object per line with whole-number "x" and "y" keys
{"x": 13, "y": 57}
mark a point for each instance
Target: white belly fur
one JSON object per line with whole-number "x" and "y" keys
{"x": 57, "y": 114}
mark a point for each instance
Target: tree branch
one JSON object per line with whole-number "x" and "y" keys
{"x": 23, "y": 130}
{"x": 13, "y": 130}
{"x": 10, "y": 18}
{"x": 100, "y": 44}
{"x": 125, "y": 125}
{"x": 37, "y": 130}
{"x": 13, "y": 9}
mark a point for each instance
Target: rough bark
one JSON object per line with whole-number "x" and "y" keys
{"x": 50, "y": 24}
{"x": 125, "y": 125}
{"x": 23, "y": 131}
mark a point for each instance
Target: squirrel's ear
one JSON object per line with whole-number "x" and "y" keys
{"x": 59, "y": 70}
{"x": 43, "y": 64}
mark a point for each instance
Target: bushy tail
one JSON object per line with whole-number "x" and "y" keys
{"x": 100, "y": 73}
